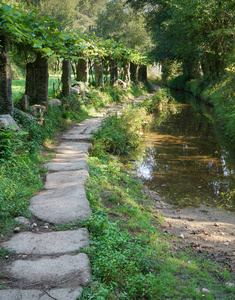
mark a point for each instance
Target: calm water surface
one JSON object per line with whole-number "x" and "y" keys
{"x": 184, "y": 162}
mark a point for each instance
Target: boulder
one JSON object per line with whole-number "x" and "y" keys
{"x": 54, "y": 102}
{"x": 121, "y": 83}
{"x": 38, "y": 110}
{"x": 75, "y": 90}
{"x": 23, "y": 114}
{"x": 23, "y": 103}
{"x": 6, "y": 121}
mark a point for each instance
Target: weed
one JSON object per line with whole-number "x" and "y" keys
{"x": 121, "y": 133}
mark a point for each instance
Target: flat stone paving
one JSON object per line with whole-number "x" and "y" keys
{"x": 47, "y": 259}
{"x": 58, "y": 294}
{"x": 48, "y": 242}
{"x": 65, "y": 179}
{"x": 83, "y": 130}
{"x": 62, "y": 205}
{"x": 52, "y": 270}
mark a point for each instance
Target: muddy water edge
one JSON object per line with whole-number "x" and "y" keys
{"x": 188, "y": 169}
{"x": 185, "y": 159}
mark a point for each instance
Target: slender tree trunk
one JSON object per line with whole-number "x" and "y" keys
{"x": 6, "y": 103}
{"x": 99, "y": 78}
{"x": 113, "y": 70}
{"x": 82, "y": 70}
{"x": 126, "y": 70}
{"x": 134, "y": 70}
{"x": 66, "y": 77}
{"x": 37, "y": 77}
{"x": 142, "y": 74}
{"x": 30, "y": 83}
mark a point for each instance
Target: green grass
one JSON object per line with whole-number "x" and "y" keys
{"x": 21, "y": 152}
{"x": 130, "y": 258}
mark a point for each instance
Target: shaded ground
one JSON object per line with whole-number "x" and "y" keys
{"x": 203, "y": 229}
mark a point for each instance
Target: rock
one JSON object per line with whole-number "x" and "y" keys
{"x": 226, "y": 243}
{"x": 59, "y": 294}
{"x": 38, "y": 110}
{"x": 34, "y": 225}
{"x": 17, "y": 230}
{"x": 206, "y": 291}
{"x": 121, "y": 83}
{"x": 229, "y": 284}
{"x": 23, "y": 103}
{"x": 65, "y": 179}
{"x": 54, "y": 102}
{"x": 48, "y": 243}
{"x": 6, "y": 121}
{"x": 75, "y": 269}
{"x": 22, "y": 220}
{"x": 197, "y": 290}
{"x": 24, "y": 114}
{"x": 75, "y": 90}
{"x": 216, "y": 224}
{"x": 62, "y": 205}
{"x": 181, "y": 236}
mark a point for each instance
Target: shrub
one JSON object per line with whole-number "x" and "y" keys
{"x": 121, "y": 134}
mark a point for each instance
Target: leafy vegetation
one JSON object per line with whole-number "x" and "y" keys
{"x": 130, "y": 258}
{"x": 121, "y": 133}
{"x": 21, "y": 152}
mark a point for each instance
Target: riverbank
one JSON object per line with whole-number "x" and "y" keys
{"x": 130, "y": 257}
{"x": 204, "y": 229}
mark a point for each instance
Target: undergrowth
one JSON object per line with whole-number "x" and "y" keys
{"x": 121, "y": 132}
{"x": 130, "y": 258}
{"x": 21, "y": 152}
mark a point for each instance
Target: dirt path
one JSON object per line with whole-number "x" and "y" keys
{"x": 204, "y": 229}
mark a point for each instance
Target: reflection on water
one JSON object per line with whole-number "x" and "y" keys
{"x": 183, "y": 161}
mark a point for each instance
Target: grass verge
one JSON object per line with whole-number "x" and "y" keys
{"x": 130, "y": 257}
{"x": 21, "y": 153}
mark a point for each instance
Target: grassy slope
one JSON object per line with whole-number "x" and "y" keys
{"x": 130, "y": 258}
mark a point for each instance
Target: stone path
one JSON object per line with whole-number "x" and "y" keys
{"x": 51, "y": 260}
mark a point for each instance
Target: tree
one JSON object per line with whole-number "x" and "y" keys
{"x": 121, "y": 23}
{"x": 192, "y": 32}
{"x": 6, "y": 104}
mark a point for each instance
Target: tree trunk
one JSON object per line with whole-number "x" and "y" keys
{"x": 191, "y": 69}
{"x": 42, "y": 78}
{"x": 66, "y": 77}
{"x": 142, "y": 74}
{"x": 82, "y": 70}
{"x": 30, "y": 83}
{"x": 134, "y": 69}
{"x": 99, "y": 78}
{"x": 126, "y": 70}
{"x": 113, "y": 70}
{"x": 36, "y": 86}
{"x": 6, "y": 103}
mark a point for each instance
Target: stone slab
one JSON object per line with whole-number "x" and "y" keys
{"x": 49, "y": 242}
{"x": 65, "y": 179}
{"x": 75, "y": 148}
{"x": 73, "y": 269}
{"x": 58, "y": 294}
{"x": 83, "y": 130}
{"x": 61, "y": 206}
{"x": 67, "y": 165}
{"x": 70, "y": 156}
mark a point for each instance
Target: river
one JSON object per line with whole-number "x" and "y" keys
{"x": 185, "y": 160}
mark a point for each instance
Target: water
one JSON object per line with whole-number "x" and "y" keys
{"x": 184, "y": 161}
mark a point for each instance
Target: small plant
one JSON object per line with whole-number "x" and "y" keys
{"x": 121, "y": 133}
